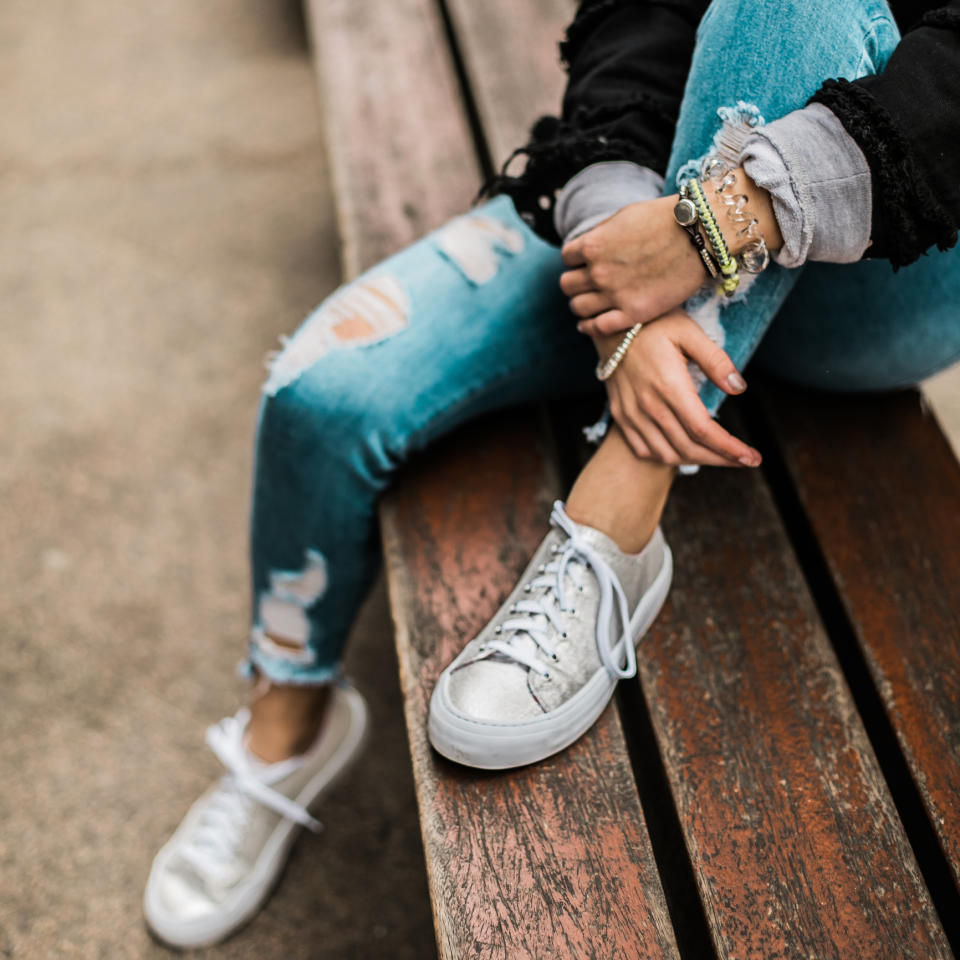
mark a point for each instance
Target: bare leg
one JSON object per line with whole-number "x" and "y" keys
{"x": 285, "y": 719}
{"x": 619, "y": 494}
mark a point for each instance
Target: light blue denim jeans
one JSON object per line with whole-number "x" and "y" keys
{"x": 471, "y": 318}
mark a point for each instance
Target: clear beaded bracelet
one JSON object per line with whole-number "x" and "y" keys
{"x": 605, "y": 370}
{"x": 753, "y": 256}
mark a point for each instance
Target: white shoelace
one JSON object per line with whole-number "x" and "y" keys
{"x": 227, "y": 813}
{"x": 552, "y": 601}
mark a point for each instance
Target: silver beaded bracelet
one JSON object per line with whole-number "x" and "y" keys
{"x": 605, "y": 369}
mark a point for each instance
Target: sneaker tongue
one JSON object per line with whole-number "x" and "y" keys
{"x": 624, "y": 565}
{"x": 599, "y": 541}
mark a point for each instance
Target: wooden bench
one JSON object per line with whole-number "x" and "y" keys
{"x": 783, "y": 779}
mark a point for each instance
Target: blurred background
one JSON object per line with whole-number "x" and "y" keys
{"x": 164, "y": 215}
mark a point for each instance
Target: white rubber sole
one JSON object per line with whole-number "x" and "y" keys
{"x": 250, "y": 896}
{"x": 492, "y": 746}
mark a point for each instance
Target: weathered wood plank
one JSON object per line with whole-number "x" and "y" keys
{"x": 887, "y": 517}
{"x": 510, "y": 54}
{"x": 795, "y": 842}
{"x": 401, "y": 154}
{"x": 552, "y": 860}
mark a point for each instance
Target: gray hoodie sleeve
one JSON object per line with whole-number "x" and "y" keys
{"x": 599, "y": 191}
{"x": 817, "y": 176}
{"x": 819, "y": 183}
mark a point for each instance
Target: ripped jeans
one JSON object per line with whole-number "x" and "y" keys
{"x": 471, "y": 318}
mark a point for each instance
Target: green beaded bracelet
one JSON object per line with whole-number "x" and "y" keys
{"x": 728, "y": 266}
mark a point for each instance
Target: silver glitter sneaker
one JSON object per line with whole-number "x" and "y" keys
{"x": 540, "y": 673}
{"x": 218, "y": 868}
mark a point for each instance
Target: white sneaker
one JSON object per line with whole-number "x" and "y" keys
{"x": 540, "y": 673}
{"x": 218, "y": 868}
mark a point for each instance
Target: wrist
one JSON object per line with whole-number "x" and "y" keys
{"x": 606, "y": 343}
{"x": 759, "y": 205}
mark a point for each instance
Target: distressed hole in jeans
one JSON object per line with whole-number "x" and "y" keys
{"x": 476, "y": 245}
{"x": 363, "y": 312}
{"x": 282, "y": 609}
{"x": 737, "y": 123}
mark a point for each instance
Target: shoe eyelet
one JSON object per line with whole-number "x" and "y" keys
{"x": 547, "y": 676}
{"x": 564, "y": 635}
{"x": 527, "y": 588}
{"x": 554, "y": 657}
{"x": 498, "y": 629}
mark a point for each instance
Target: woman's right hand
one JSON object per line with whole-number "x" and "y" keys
{"x": 654, "y": 400}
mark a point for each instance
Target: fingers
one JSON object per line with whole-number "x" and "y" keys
{"x": 612, "y": 321}
{"x": 573, "y": 282}
{"x": 650, "y": 441}
{"x": 636, "y": 442}
{"x": 572, "y": 253}
{"x": 712, "y": 360}
{"x": 590, "y": 304}
{"x": 706, "y": 432}
{"x": 632, "y": 419}
{"x": 688, "y": 448}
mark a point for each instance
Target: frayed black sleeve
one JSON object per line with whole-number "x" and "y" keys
{"x": 906, "y": 120}
{"x": 628, "y": 62}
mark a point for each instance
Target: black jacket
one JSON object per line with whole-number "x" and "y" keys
{"x": 628, "y": 61}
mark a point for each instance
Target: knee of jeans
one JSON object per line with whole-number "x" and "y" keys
{"x": 331, "y": 417}
{"x": 774, "y": 29}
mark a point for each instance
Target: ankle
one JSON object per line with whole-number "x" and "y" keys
{"x": 285, "y": 721}
{"x": 620, "y": 495}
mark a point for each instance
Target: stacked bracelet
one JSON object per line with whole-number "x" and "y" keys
{"x": 728, "y": 266}
{"x": 685, "y": 213}
{"x": 753, "y": 256}
{"x": 605, "y": 369}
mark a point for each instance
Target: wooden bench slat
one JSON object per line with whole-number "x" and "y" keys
{"x": 551, "y": 860}
{"x": 887, "y": 518}
{"x": 510, "y": 54}
{"x": 795, "y": 842}
{"x": 516, "y": 862}
{"x": 401, "y": 155}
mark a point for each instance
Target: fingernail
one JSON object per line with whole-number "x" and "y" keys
{"x": 737, "y": 382}
{"x": 582, "y": 327}
{"x": 752, "y": 460}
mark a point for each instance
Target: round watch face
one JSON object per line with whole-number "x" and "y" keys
{"x": 685, "y": 212}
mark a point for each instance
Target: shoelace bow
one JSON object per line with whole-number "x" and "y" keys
{"x": 552, "y": 602}
{"x": 220, "y": 828}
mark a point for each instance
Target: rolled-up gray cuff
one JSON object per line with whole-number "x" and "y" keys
{"x": 599, "y": 191}
{"x": 819, "y": 183}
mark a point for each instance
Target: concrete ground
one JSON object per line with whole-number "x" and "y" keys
{"x": 164, "y": 215}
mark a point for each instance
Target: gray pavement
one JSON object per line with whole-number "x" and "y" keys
{"x": 164, "y": 215}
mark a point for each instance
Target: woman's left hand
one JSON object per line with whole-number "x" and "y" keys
{"x": 639, "y": 264}
{"x": 632, "y": 268}
{"x": 655, "y": 402}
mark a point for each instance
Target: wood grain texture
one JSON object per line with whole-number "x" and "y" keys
{"x": 551, "y": 860}
{"x": 796, "y": 846}
{"x": 511, "y": 58}
{"x": 400, "y": 149}
{"x": 887, "y": 518}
